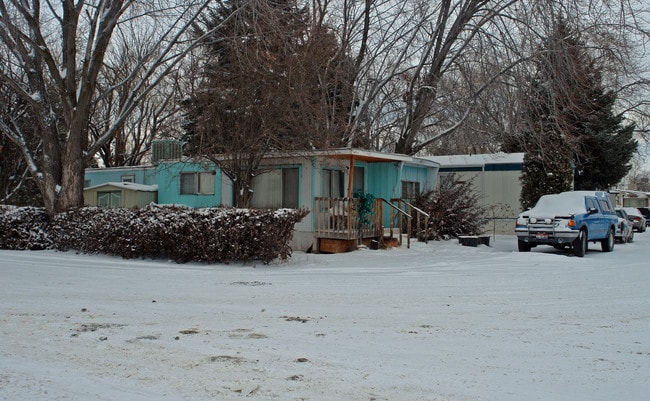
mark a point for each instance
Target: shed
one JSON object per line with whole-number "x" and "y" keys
{"x": 120, "y": 194}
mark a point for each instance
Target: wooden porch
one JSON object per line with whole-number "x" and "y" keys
{"x": 338, "y": 226}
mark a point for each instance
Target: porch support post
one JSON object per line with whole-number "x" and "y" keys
{"x": 351, "y": 176}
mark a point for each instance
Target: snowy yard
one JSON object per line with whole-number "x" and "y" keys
{"x": 436, "y": 322}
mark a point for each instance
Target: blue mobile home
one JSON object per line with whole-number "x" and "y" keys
{"x": 324, "y": 182}
{"x": 193, "y": 184}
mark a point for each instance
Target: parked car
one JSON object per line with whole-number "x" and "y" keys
{"x": 637, "y": 219}
{"x": 569, "y": 219}
{"x": 624, "y": 229}
{"x": 646, "y": 213}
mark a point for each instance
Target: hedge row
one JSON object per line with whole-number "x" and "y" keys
{"x": 25, "y": 228}
{"x": 178, "y": 233}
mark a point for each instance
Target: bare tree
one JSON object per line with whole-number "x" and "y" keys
{"x": 435, "y": 69}
{"x": 410, "y": 49}
{"x": 14, "y": 185}
{"x": 156, "y": 116}
{"x": 639, "y": 177}
{"x": 52, "y": 56}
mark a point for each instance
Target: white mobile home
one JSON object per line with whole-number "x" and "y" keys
{"x": 495, "y": 178}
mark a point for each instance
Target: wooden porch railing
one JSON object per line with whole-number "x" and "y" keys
{"x": 337, "y": 218}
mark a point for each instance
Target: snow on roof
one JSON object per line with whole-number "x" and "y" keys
{"x": 631, "y": 193}
{"x": 127, "y": 168}
{"x": 349, "y": 153}
{"x": 127, "y": 185}
{"x": 477, "y": 160}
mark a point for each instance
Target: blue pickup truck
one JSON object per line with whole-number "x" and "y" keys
{"x": 569, "y": 219}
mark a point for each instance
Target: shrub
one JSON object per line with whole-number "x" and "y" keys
{"x": 24, "y": 228}
{"x": 454, "y": 210}
{"x": 178, "y": 233}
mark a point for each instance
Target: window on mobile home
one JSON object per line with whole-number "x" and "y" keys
{"x": 201, "y": 183}
{"x": 410, "y": 189}
{"x": 332, "y": 183}
{"x": 277, "y": 188}
{"x": 128, "y": 178}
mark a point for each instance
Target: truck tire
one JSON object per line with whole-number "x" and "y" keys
{"x": 607, "y": 243}
{"x": 523, "y": 246}
{"x": 580, "y": 244}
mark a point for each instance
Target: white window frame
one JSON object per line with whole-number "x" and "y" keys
{"x": 128, "y": 178}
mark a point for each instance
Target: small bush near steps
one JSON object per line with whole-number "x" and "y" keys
{"x": 454, "y": 209}
{"x": 178, "y": 233}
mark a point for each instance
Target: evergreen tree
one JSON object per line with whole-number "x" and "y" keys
{"x": 584, "y": 110}
{"x": 573, "y": 134}
{"x": 273, "y": 80}
{"x": 544, "y": 174}
{"x": 547, "y": 158}
{"x": 607, "y": 146}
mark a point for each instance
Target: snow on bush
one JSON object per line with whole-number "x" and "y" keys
{"x": 454, "y": 210}
{"x": 24, "y": 228}
{"x": 178, "y": 233}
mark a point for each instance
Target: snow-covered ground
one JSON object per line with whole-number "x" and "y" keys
{"x": 437, "y": 322}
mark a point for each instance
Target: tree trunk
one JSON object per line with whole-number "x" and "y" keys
{"x": 48, "y": 186}
{"x": 71, "y": 193}
{"x": 243, "y": 193}
{"x": 48, "y": 175}
{"x": 413, "y": 125}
